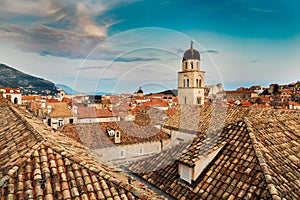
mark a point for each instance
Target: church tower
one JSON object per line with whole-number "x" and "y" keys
{"x": 191, "y": 79}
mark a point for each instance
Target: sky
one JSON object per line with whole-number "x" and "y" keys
{"x": 119, "y": 45}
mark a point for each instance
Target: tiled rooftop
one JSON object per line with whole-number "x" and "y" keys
{"x": 60, "y": 109}
{"x": 93, "y": 112}
{"x": 37, "y": 163}
{"x": 93, "y": 135}
{"x": 260, "y": 158}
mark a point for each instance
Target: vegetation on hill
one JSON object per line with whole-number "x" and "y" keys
{"x": 12, "y": 78}
{"x": 174, "y": 92}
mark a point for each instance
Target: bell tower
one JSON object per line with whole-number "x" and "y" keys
{"x": 191, "y": 79}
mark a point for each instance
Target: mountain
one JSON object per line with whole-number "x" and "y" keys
{"x": 12, "y": 78}
{"x": 174, "y": 92}
{"x": 67, "y": 89}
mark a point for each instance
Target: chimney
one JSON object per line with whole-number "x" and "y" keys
{"x": 49, "y": 108}
{"x": 117, "y": 137}
{"x": 43, "y": 103}
{"x": 75, "y": 109}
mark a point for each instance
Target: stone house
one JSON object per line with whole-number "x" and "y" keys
{"x": 12, "y": 94}
{"x": 58, "y": 114}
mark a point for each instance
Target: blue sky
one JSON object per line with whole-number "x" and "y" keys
{"x": 116, "y": 46}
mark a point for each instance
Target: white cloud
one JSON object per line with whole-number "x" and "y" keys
{"x": 50, "y": 41}
{"x": 66, "y": 28}
{"x": 75, "y": 15}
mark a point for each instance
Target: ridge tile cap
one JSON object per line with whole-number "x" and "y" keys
{"x": 261, "y": 161}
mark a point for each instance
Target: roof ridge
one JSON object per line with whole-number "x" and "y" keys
{"x": 262, "y": 163}
{"x": 29, "y": 126}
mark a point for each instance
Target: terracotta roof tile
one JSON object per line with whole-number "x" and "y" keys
{"x": 60, "y": 109}
{"x": 48, "y": 165}
{"x": 259, "y": 160}
{"x": 94, "y": 135}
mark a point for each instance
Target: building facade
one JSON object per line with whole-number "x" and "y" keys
{"x": 12, "y": 94}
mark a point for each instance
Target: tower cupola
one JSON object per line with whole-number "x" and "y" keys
{"x": 191, "y": 59}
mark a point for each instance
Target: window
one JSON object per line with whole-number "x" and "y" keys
{"x": 60, "y": 122}
{"x": 198, "y": 100}
{"x": 122, "y": 153}
{"x": 71, "y": 121}
{"x": 197, "y": 82}
{"x": 141, "y": 151}
{"x": 192, "y": 65}
{"x": 200, "y": 83}
{"x": 183, "y": 82}
{"x": 185, "y": 64}
{"x": 185, "y": 173}
{"x": 184, "y": 100}
{"x": 188, "y": 83}
{"x": 15, "y": 100}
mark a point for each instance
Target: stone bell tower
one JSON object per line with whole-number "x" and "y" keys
{"x": 191, "y": 79}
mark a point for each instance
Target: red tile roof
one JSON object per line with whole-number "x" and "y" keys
{"x": 293, "y": 103}
{"x": 93, "y": 112}
{"x": 170, "y": 111}
{"x": 11, "y": 90}
{"x": 261, "y": 157}
{"x": 60, "y": 109}
{"x": 94, "y": 135}
{"x": 52, "y": 100}
{"x": 37, "y": 163}
{"x": 159, "y": 103}
{"x": 31, "y": 97}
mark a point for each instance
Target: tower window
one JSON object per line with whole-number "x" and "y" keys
{"x": 188, "y": 83}
{"x": 200, "y": 83}
{"x": 183, "y": 82}
{"x": 198, "y": 100}
{"x": 197, "y": 82}
{"x": 192, "y": 65}
{"x": 185, "y": 64}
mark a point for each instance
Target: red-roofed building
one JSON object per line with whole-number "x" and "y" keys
{"x": 58, "y": 114}
{"x": 12, "y": 94}
{"x": 52, "y": 100}
{"x": 294, "y": 105}
{"x": 30, "y": 98}
{"x": 170, "y": 112}
{"x": 159, "y": 104}
{"x": 93, "y": 115}
{"x": 239, "y": 94}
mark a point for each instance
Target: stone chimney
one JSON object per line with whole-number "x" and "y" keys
{"x": 117, "y": 137}
{"x": 49, "y": 108}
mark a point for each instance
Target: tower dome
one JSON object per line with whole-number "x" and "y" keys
{"x": 140, "y": 91}
{"x": 191, "y": 53}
